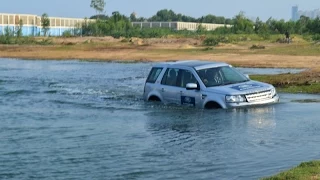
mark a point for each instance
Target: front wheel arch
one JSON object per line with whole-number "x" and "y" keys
{"x": 212, "y": 105}
{"x": 154, "y": 98}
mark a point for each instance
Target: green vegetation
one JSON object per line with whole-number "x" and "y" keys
{"x": 11, "y": 37}
{"x": 45, "y": 23}
{"x": 241, "y": 29}
{"x": 257, "y": 47}
{"x": 305, "y": 171}
{"x": 305, "y": 82}
{"x": 168, "y": 15}
{"x": 19, "y": 28}
{"x": 98, "y": 5}
{"x": 67, "y": 33}
{"x": 119, "y": 25}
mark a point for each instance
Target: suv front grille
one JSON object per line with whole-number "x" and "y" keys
{"x": 259, "y": 96}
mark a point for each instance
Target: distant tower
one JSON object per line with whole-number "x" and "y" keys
{"x": 295, "y": 13}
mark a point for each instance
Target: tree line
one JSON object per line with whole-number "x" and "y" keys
{"x": 166, "y": 15}
{"x": 120, "y": 25}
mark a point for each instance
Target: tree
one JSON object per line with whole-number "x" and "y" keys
{"x": 201, "y": 29}
{"x": 164, "y": 15}
{"x": 241, "y": 24}
{"x": 45, "y": 23}
{"x": 301, "y": 24}
{"x": 260, "y": 27}
{"x": 98, "y": 5}
{"x": 18, "y": 28}
{"x": 116, "y": 16}
{"x": 133, "y": 17}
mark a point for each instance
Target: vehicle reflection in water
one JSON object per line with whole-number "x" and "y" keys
{"x": 257, "y": 117}
{"x": 209, "y": 140}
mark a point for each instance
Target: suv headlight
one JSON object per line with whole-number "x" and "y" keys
{"x": 236, "y": 99}
{"x": 273, "y": 92}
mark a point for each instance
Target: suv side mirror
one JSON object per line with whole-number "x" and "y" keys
{"x": 247, "y": 76}
{"x": 192, "y": 86}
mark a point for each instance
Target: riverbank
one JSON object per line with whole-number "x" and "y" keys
{"x": 306, "y": 170}
{"x": 304, "y": 82}
{"x": 300, "y": 54}
{"x": 108, "y": 49}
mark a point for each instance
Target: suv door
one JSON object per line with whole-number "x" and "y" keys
{"x": 189, "y": 97}
{"x": 169, "y": 86}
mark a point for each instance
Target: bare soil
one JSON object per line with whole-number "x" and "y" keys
{"x": 156, "y": 49}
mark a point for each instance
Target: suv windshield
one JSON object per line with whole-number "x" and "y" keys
{"x": 220, "y": 76}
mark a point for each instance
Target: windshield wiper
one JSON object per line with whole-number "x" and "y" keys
{"x": 244, "y": 81}
{"x": 228, "y": 83}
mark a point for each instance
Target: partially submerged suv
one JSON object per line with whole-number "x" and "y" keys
{"x": 205, "y": 85}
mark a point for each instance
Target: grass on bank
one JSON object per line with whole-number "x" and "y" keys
{"x": 305, "y": 82}
{"x": 305, "y": 171}
{"x": 24, "y": 40}
{"x": 229, "y": 43}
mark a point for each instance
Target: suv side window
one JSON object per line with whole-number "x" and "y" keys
{"x": 170, "y": 77}
{"x": 154, "y": 74}
{"x": 186, "y": 77}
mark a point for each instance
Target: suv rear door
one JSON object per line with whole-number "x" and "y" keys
{"x": 169, "y": 89}
{"x": 174, "y": 90}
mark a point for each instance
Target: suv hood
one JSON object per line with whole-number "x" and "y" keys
{"x": 240, "y": 88}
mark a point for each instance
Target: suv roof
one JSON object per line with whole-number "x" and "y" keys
{"x": 197, "y": 64}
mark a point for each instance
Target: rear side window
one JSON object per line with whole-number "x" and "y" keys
{"x": 170, "y": 77}
{"x": 154, "y": 74}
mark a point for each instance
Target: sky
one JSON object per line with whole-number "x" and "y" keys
{"x": 264, "y": 9}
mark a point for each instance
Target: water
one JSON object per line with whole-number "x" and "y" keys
{"x": 86, "y": 120}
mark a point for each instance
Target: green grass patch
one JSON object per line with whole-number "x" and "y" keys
{"x": 292, "y": 83}
{"x": 305, "y": 171}
{"x": 310, "y": 89}
{"x": 255, "y": 46}
{"x": 294, "y": 49}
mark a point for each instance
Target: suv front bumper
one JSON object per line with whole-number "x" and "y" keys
{"x": 275, "y": 99}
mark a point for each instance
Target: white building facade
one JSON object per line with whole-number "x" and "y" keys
{"x": 32, "y": 24}
{"x": 179, "y": 25}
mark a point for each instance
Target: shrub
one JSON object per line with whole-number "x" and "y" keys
{"x": 67, "y": 33}
{"x": 8, "y": 37}
{"x": 47, "y": 41}
{"x": 208, "y": 49}
{"x": 257, "y": 47}
{"x": 316, "y": 37}
{"x": 214, "y": 41}
{"x": 211, "y": 41}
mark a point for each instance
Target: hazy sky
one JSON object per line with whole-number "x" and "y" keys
{"x": 278, "y": 9}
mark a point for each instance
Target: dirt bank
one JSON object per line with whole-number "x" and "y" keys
{"x": 164, "y": 49}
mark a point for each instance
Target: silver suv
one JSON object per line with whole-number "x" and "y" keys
{"x": 207, "y": 85}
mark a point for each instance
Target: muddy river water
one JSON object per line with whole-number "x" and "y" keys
{"x": 87, "y": 120}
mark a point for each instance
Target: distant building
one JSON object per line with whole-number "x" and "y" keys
{"x": 179, "y": 25}
{"x": 295, "y": 14}
{"x": 32, "y": 24}
{"x": 311, "y": 14}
